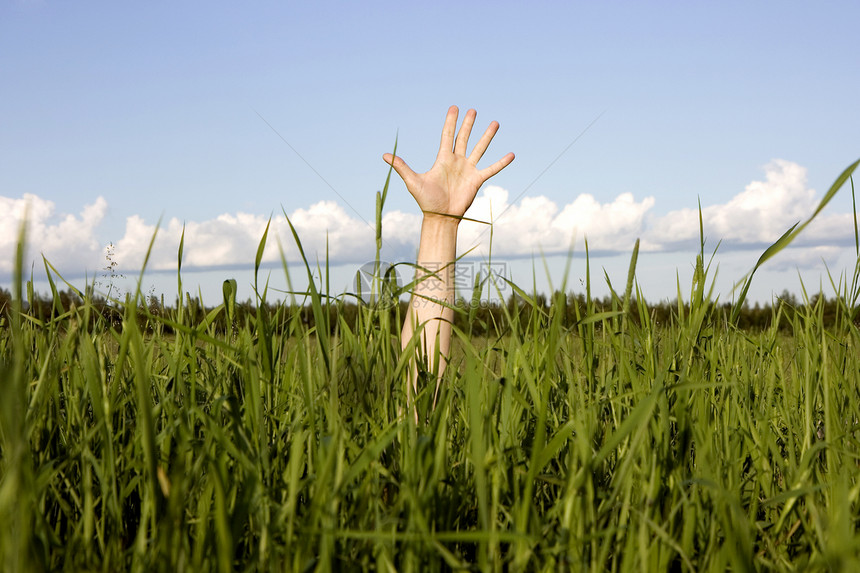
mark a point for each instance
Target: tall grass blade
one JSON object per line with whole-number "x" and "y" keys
{"x": 790, "y": 235}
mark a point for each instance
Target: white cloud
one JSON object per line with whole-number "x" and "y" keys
{"x": 756, "y": 216}
{"x": 794, "y": 258}
{"x": 537, "y": 224}
{"x": 66, "y": 240}
{"x": 232, "y": 240}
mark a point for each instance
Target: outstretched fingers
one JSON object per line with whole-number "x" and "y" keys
{"x": 488, "y": 172}
{"x": 483, "y": 143}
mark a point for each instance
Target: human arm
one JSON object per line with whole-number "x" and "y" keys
{"x": 443, "y": 193}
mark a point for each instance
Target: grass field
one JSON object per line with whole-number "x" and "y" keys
{"x": 167, "y": 442}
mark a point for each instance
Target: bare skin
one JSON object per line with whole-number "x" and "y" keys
{"x": 444, "y": 194}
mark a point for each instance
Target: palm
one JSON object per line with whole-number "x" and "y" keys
{"x": 452, "y": 183}
{"x": 449, "y": 187}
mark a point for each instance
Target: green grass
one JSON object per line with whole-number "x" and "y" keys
{"x": 614, "y": 444}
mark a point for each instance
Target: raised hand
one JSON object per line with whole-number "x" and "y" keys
{"x": 450, "y": 186}
{"x": 444, "y": 194}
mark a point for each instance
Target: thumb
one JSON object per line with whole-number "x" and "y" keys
{"x": 401, "y": 168}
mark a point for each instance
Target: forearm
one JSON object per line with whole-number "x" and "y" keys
{"x": 444, "y": 194}
{"x": 430, "y": 310}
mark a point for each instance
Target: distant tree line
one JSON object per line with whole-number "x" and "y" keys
{"x": 484, "y": 317}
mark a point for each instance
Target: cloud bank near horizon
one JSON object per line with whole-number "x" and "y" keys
{"x": 753, "y": 218}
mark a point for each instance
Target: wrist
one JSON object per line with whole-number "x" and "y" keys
{"x": 440, "y": 221}
{"x": 438, "y": 239}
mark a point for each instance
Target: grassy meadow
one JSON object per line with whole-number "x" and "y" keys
{"x": 188, "y": 441}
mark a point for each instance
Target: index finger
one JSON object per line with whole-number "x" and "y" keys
{"x": 449, "y": 130}
{"x": 493, "y": 169}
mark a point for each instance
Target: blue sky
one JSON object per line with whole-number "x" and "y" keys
{"x": 118, "y": 115}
